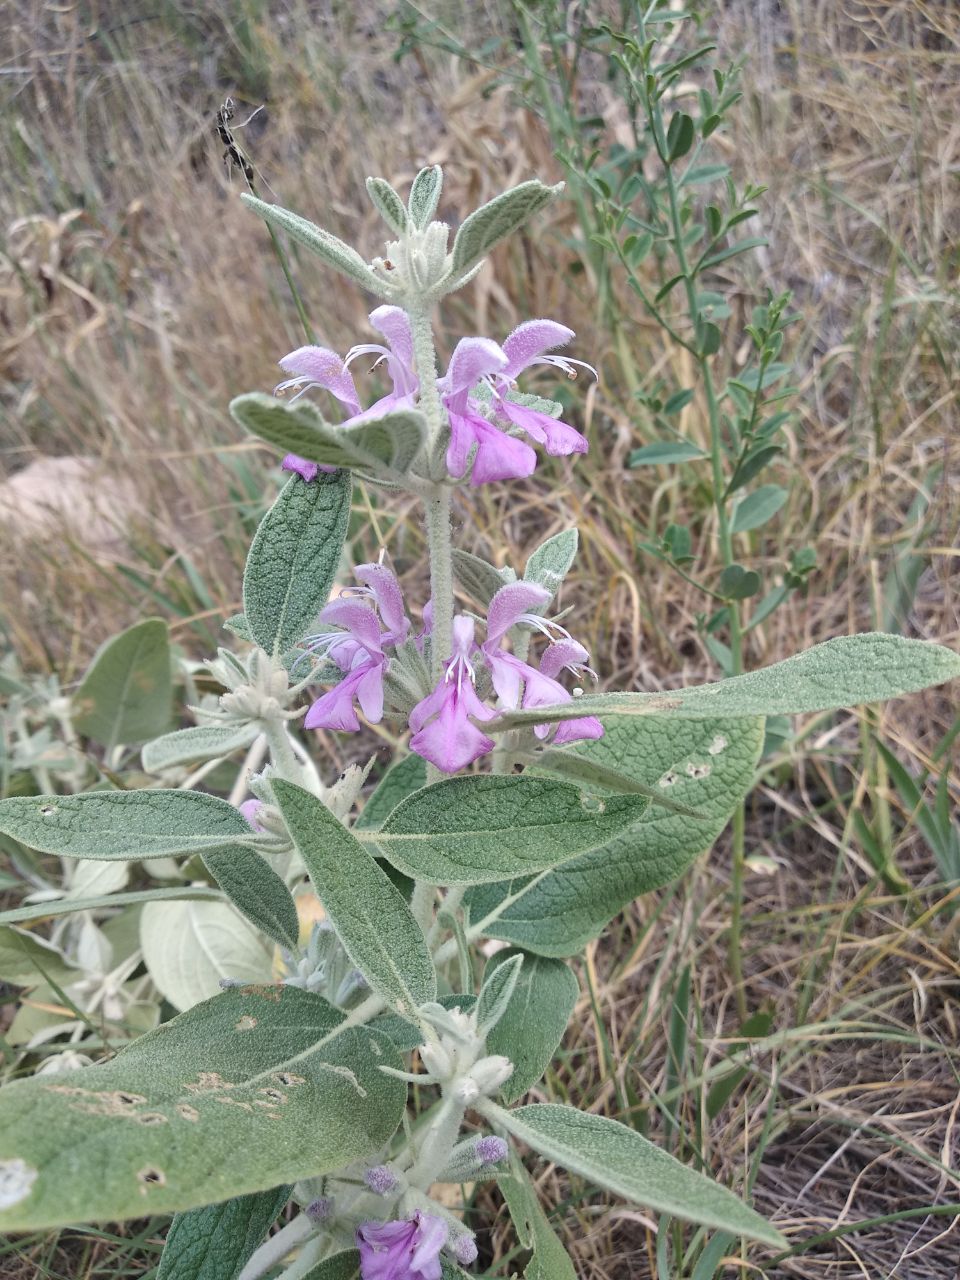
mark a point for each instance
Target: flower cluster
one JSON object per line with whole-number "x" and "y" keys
{"x": 373, "y": 625}
{"x": 477, "y": 392}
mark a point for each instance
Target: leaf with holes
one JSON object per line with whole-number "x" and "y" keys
{"x": 707, "y": 764}
{"x": 844, "y": 672}
{"x": 126, "y": 693}
{"x": 211, "y": 1105}
{"x": 123, "y": 824}
{"x": 294, "y": 557}
{"x": 484, "y": 828}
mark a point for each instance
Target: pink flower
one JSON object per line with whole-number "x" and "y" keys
{"x": 406, "y": 1249}
{"x": 514, "y": 604}
{"x": 443, "y": 732}
{"x": 359, "y": 649}
{"x": 478, "y": 362}
{"x": 318, "y": 367}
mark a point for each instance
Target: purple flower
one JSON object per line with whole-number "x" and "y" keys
{"x": 380, "y": 1179}
{"x": 443, "y": 732}
{"x": 408, "y": 1249}
{"x": 318, "y": 367}
{"x": 491, "y": 1150}
{"x": 250, "y": 809}
{"x": 514, "y": 604}
{"x": 372, "y": 619}
{"x": 478, "y": 362}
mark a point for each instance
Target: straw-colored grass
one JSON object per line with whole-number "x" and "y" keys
{"x": 137, "y": 296}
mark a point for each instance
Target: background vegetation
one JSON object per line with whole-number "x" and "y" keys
{"x": 137, "y": 296}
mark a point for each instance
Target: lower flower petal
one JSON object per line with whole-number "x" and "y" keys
{"x": 499, "y": 456}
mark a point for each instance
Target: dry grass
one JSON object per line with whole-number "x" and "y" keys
{"x": 136, "y": 297}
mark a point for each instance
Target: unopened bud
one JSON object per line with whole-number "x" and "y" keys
{"x": 380, "y": 1179}
{"x": 320, "y": 1210}
{"x": 489, "y": 1073}
{"x": 465, "y": 1250}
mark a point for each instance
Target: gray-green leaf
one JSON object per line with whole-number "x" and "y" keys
{"x": 26, "y": 960}
{"x": 256, "y": 890}
{"x": 199, "y": 742}
{"x": 758, "y": 507}
{"x": 534, "y": 1020}
{"x": 293, "y": 559}
{"x": 400, "y": 780}
{"x": 376, "y": 444}
{"x": 550, "y": 1260}
{"x": 552, "y": 560}
{"x": 492, "y": 222}
{"x": 484, "y": 828}
{"x": 664, "y": 452}
{"x": 425, "y": 196}
{"x": 126, "y": 693}
{"x": 213, "y": 1104}
{"x": 617, "y": 1158}
{"x": 342, "y": 1266}
{"x": 388, "y": 204}
{"x": 369, "y": 914}
{"x": 215, "y": 1243}
{"x": 557, "y": 914}
{"x": 328, "y": 247}
{"x": 844, "y": 672}
{"x": 122, "y": 824}
{"x": 481, "y": 579}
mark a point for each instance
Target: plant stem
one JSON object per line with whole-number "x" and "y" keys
{"x": 723, "y": 523}
{"x": 274, "y": 1250}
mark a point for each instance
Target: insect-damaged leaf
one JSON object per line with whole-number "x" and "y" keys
{"x": 214, "y": 1104}
{"x": 293, "y": 559}
{"x": 706, "y": 765}
{"x": 483, "y": 828}
{"x": 122, "y": 824}
{"x": 844, "y": 672}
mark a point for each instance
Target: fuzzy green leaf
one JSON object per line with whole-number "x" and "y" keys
{"x": 535, "y": 1018}
{"x": 665, "y": 451}
{"x": 492, "y": 222}
{"x": 26, "y": 960}
{"x": 550, "y": 1260}
{"x": 425, "y": 196}
{"x": 552, "y": 561}
{"x": 256, "y": 890}
{"x": 126, "y": 693}
{"x": 190, "y": 948}
{"x": 328, "y": 247}
{"x": 341, "y": 1266}
{"x": 200, "y": 742}
{"x": 618, "y": 1159}
{"x": 67, "y": 906}
{"x": 293, "y": 559}
{"x": 479, "y": 577}
{"x": 557, "y": 914}
{"x": 483, "y": 828}
{"x": 214, "y": 1104}
{"x": 369, "y": 914}
{"x": 376, "y": 444}
{"x": 388, "y": 204}
{"x": 844, "y": 672}
{"x": 401, "y": 780}
{"x": 122, "y": 824}
{"x": 215, "y": 1243}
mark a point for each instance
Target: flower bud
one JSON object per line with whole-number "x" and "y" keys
{"x": 489, "y": 1073}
